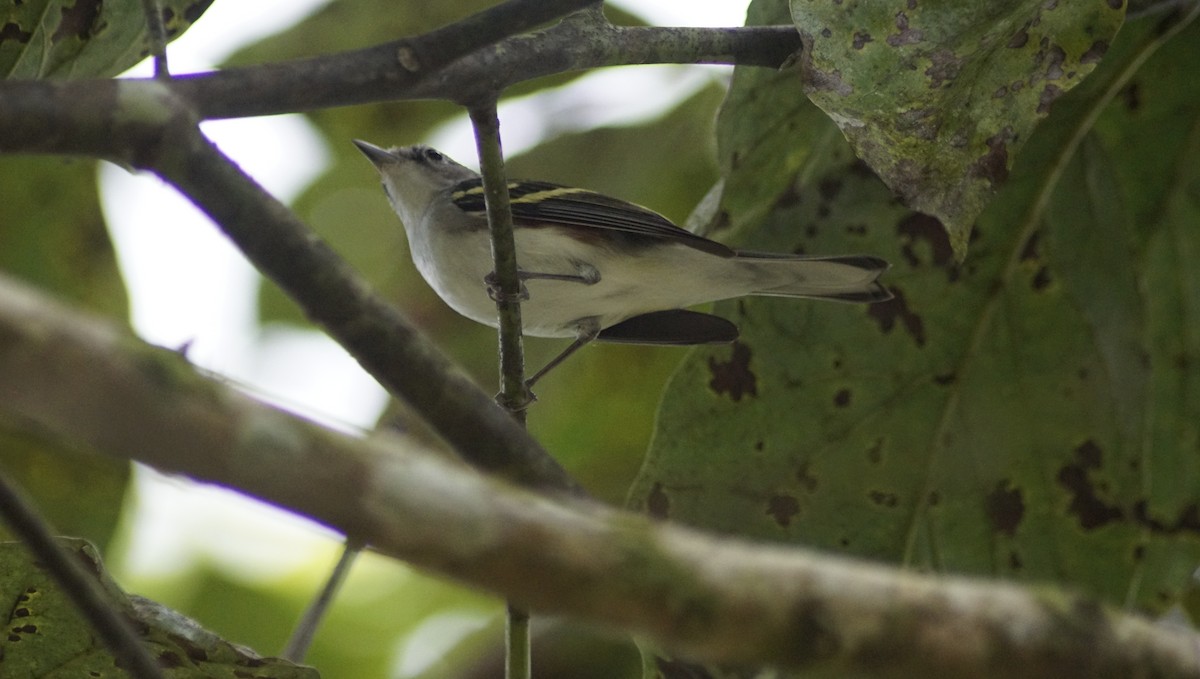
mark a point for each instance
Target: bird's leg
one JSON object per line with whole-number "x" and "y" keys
{"x": 584, "y": 273}
{"x": 586, "y": 331}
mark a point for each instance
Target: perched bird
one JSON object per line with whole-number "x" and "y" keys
{"x": 592, "y": 267}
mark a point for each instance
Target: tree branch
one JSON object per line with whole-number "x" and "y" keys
{"x": 373, "y": 74}
{"x": 714, "y": 600}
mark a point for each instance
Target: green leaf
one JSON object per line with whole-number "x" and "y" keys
{"x": 48, "y": 639}
{"x": 53, "y": 232}
{"x": 82, "y": 38}
{"x": 1028, "y": 415}
{"x": 938, "y": 97}
{"x": 80, "y": 493}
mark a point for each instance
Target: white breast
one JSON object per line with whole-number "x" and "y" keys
{"x": 678, "y": 276}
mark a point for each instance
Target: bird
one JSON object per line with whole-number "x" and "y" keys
{"x": 592, "y": 267}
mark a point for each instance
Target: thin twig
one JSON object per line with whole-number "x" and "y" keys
{"x": 514, "y": 394}
{"x": 157, "y": 33}
{"x": 302, "y": 637}
{"x": 80, "y": 586}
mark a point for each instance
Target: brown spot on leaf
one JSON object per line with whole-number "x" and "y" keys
{"x": 169, "y": 660}
{"x": 787, "y": 198}
{"x": 1014, "y": 561}
{"x": 842, "y": 398}
{"x": 904, "y": 34}
{"x": 884, "y": 498}
{"x": 1030, "y": 249}
{"x": 918, "y": 227}
{"x": 1188, "y": 520}
{"x": 944, "y": 67}
{"x": 888, "y": 314}
{"x": 805, "y": 478}
{"x": 829, "y": 188}
{"x": 875, "y": 452}
{"x": 945, "y": 380}
{"x": 1086, "y": 504}
{"x": 1042, "y": 279}
{"x": 992, "y": 166}
{"x": 1049, "y": 94}
{"x": 658, "y": 504}
{"x": 783, "y": 508}
{"x": 1094, "y": 53}
{"x": 1132, "y": 95}
{"x": 734, "y": 377}
{"x": 1020, "y": 38}
{"x": 78, "y": 20}
{"x": 1005, "y": 507}
{"x": 1054, "y": 69}
{"x": 12, "y": 31}
{"x": 861, "y": 38}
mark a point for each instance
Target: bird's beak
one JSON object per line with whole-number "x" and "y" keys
{"x": 378, "y": 156}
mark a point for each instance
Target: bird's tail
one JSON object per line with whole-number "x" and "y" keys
{"x": 844, "y": 278}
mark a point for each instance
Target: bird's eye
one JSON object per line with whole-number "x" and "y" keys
{"x": 433, "y": 156}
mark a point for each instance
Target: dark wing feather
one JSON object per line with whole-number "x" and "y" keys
{"x": 674, "y": 326}
{"x": 543, "y": 203}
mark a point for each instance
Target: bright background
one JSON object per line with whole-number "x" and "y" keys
{"x": 189, "y": 287}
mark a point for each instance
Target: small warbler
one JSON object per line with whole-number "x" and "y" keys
{"x": 592, "y": 267}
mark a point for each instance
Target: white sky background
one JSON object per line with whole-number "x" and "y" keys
{"x": 188, "y": 285}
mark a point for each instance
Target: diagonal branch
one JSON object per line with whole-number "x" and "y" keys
{"x": 333, "y": 297}
{"x": 716, "y": 600}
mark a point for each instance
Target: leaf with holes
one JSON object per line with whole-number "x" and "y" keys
{"x": 82, "y": 38}
{"x": 1029, "y": 414}
{"x": 47, "y": 637}
{"x": 938, "y": 97}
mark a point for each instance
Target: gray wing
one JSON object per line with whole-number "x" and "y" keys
{"x": 544, "y": 204}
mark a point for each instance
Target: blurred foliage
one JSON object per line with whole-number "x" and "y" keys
{"x": 54, "y": 234}
{"x": 54, "y": 237}
{"x": 47, "y": 637}
{"x": 79, "y": 492}
{"x": 1030, "y": 414}
{"x": 82, "y": 38}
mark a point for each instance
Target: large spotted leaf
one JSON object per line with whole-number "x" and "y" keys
{"x": 1029, "y": 414}
{"x": 82, "y": 38}
{"x": 937, "y": 97}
